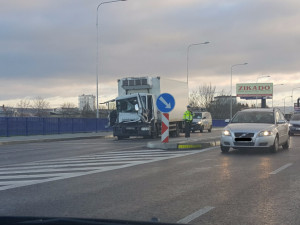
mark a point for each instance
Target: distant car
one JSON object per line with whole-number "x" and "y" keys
{"x": 295, "y": 124}
{"x": 256, "y": 128}
{"x": 201, "y": 121}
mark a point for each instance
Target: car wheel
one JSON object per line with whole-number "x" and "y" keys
{"x": 224, "y": 149}
{"x": 286, "y": 145}
{"x": 209, "y": 130}
{"x": 275, "y": 146}
{"x": 201, "y": 129}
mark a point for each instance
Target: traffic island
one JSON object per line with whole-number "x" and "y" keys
{"x": 185, "y": 145}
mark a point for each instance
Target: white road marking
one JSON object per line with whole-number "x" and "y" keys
{"x": 24, "y": 168}
{"x": 40, "y": 171}
{"x": 281, "y": 168}
{"x": 195, "y": 215}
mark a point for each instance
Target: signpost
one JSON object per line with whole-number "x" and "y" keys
{"x": 165, "y": 103}
{"x": 254, "y": 90}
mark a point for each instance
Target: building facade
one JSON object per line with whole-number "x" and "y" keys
{"x": 86, "y": 102}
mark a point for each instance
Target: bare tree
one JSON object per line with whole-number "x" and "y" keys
{"x": 220, "y": 107}
{"x": 40, "y": 106}
{"x": 23, "y": 105}
{"x": 69, "y": 109}
{"x": 203, "y": 96}
{"x": 87, "y": 111}
{"x": 8, "y": 111}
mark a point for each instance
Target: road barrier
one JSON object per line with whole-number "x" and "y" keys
{"x": 165, "y": 128}
{"x": 24, "y": 126}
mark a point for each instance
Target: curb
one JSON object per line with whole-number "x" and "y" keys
{"x": 199, "y": 145}
{"x": 52, "y": 140}
{"x": 195, "y": 145}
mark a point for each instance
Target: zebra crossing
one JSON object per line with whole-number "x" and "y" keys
{"x": 14, "y": 176}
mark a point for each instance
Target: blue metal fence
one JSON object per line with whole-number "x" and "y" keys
{"x": 23, "y": 126}
{"x": 219, "y": 123}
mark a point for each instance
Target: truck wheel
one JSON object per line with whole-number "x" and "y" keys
{"x": 177, "y": 134}
{"x": 154, "y": 134}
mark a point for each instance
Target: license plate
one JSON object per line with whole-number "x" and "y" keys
{"x": 297, "y": 128}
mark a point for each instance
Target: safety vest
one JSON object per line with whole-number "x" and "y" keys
{"x": 188, "y": 116}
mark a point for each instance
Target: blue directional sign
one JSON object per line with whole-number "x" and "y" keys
{"x": 165, "y": 102}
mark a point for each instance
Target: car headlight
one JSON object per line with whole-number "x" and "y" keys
{"x": 226, "y": 133}
{"x": 199, "y": 122}
{"x": 265, "y": 133}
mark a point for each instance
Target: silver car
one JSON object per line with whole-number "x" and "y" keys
{"x": 256, "y": 128}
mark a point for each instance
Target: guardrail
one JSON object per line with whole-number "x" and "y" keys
{"x": 24, "y": 126}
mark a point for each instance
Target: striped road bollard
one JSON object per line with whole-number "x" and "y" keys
{"x": 165, "y": 128}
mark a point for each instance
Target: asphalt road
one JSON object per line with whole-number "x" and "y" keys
{"x": 105, "y": 178}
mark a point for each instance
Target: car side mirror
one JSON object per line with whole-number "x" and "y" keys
{"x": 281, "y": 122}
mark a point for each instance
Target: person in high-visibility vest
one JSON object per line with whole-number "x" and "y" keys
{"x": 188, "y": 118}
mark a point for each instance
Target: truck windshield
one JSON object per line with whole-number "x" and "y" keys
{"x": 127, "y": 105}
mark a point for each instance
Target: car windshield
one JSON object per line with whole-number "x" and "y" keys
{"x": 127, "y": 105}
{"x": 295, "y": 117}
{"x": 198, "y": 115}
{"x": 253, "y": 117}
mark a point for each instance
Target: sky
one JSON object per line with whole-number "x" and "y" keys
{"x": 48, "y": 48}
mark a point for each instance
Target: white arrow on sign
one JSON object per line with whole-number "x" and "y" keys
{"x": 168, "y": 105}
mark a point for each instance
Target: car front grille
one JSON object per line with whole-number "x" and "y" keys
{"x": 243, "y": 144}
{"x": 243, "y": 135}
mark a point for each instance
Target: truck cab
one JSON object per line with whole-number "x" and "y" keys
{"x": 136, "y": 114}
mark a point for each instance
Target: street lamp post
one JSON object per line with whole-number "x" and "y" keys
{"x": 187, "y": 59}
{"x": 293, "y": 95}
{"x": 256, "y": 82}
{"x": 97, "y": 67}
{"x": 284, "y": 102}
{"x": 241, "y": 64}
{"x": 273, "y": 93}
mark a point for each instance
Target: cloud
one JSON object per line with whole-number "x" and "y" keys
{"x": 54, "y": 43}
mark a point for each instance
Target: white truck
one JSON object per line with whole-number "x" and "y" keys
{"x": 136, "y": 111}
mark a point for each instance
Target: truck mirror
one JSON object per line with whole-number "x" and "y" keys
{"x": 136, "y": 107}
